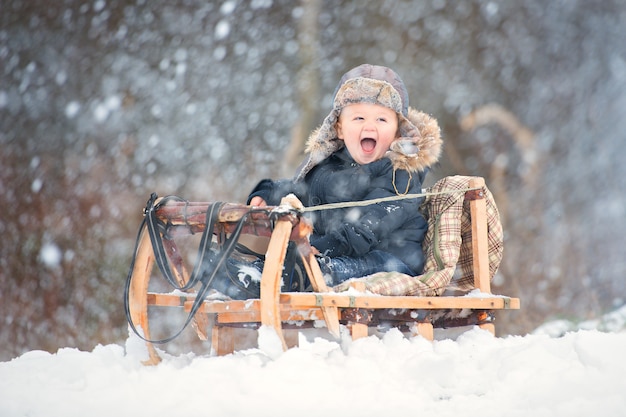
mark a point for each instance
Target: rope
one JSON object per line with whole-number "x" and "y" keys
{"x": 332, "y": 206}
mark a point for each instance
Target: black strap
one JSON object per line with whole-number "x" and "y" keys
{"x": 157, "y": 229}
{"x": 205, "y": 258}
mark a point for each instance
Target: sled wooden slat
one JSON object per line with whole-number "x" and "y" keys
{"x": 222, "y": 340}
{"x": 271, "y": 278}
{"x": 304, "y": 314}
{"x": 358, "y": 310}
{"x": 331, "y": 315}
{"x": 478, "y": 210}
{"x": 142, "y": 269}
{"x": 375, "y": 301}
{"x": 293, "y": 300}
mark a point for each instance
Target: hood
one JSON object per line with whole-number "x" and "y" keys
{"x": 418, "y": 147}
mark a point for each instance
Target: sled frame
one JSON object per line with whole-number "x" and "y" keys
{"x": 359, "y": 312}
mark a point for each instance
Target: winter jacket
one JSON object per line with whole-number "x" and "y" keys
{"x": 396, "y": 227}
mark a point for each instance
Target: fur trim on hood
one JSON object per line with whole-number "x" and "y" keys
{"x": 419, "y": 142}
{"x": 415, "y": 152}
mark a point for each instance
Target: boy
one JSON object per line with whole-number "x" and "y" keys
{"x": 371, "y": 145}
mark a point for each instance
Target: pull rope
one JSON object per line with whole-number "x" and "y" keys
{"x": 332, "y": 206}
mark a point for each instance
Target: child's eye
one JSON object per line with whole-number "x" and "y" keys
{"x": 382, "y": 119}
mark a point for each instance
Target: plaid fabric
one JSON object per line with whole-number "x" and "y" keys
{"x": 447, "y": 244}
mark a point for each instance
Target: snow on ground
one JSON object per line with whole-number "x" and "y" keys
{"x": 581, "y": 373}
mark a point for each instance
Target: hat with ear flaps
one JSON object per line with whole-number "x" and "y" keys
{"x": 418, "y": 145}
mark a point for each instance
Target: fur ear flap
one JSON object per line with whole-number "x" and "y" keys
{"x": 419, "y": 146}
{"x": 322, "y": 143}
{"x": 419, "y": 143}
{"x": 415, "y": 153}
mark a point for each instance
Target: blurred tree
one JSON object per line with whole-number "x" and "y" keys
{"x": 308, "y": 92}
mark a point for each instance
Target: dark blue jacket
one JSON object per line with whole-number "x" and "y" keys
{"x": 396, "y": 227}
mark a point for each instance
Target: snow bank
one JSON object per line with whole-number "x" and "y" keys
{"x": 579, "y": 374}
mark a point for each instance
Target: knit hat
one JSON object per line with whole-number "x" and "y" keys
{"x": 363, "y": 84}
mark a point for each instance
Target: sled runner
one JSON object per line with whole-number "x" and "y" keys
{"x": 463, "y": 248}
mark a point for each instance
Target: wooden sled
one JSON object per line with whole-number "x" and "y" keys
{"x": 358, "y": 311}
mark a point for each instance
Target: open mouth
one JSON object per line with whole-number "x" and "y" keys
{"x": 368, "y": 144}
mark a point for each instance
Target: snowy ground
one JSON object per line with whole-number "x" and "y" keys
{"x": 579, "y": 373}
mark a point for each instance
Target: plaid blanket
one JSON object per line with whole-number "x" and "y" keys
{"x": 447, "y": 246}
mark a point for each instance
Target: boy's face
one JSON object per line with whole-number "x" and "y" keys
{"x": 367, "y": 130}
